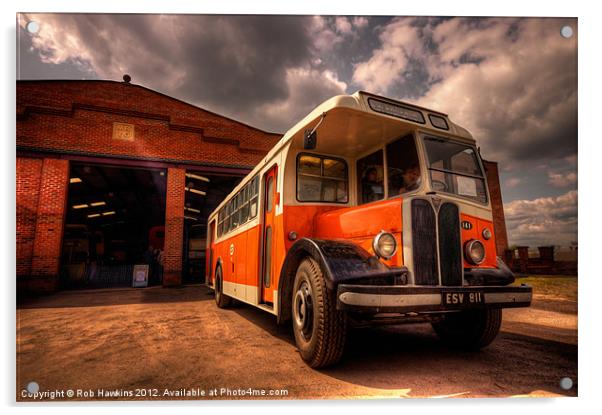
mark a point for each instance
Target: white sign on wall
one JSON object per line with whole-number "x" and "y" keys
{"x": 140, "y": 276}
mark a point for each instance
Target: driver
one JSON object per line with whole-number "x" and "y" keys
{"x": 411, "y": 178}
{"x": 372, "y": 188}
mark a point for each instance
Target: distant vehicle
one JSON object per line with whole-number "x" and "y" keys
{"x": 368, "y": 210}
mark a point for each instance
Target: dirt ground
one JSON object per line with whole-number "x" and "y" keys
{"x": 175, "y": 343}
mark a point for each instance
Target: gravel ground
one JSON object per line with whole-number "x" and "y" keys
{"x": 158, "y": 343}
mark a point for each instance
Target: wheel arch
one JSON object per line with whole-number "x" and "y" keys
{"x": 218, "y": 263}
{"x": 300, "y": 250}
{"x": 339, "y": 260}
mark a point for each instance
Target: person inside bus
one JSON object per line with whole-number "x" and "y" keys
{"x": 372, "y": 188}
{"x": 411, "y": 178}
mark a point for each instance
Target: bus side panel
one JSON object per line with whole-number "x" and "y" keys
{"x": 251, "y": 278}
{"x": 300, "y": 219}
{"x": 240, "y": 263}
{"x": 357, "y": 224}
{"x": 229, "y": 268}
{"x": 360, "y": 221}
{"x": 360, "y": 224}
{"x": 280, "y": 249}
{"x": 210, "y": 254}
{"x": 222, "y": 249}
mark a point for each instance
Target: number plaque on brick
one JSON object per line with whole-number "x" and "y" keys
{"x": 123, "y": 131}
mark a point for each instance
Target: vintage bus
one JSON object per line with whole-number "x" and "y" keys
{"x": 369, "y": 210}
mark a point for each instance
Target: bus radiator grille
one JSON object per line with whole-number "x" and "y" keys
{"x": 450, "y": 245}
{"x": 424, "y": 242}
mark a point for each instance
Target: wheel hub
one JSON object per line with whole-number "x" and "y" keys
{"x": 303, "y": 309}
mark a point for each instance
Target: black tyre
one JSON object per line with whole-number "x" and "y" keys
{"x": 471, "y": 329}
{"x": 318, "y": 326}
{"x": 221, "y": 299}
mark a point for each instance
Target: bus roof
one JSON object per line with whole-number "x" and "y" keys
{"x": 387, "y": 108}
{"x": 372, "y": 106}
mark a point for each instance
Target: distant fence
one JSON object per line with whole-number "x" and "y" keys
{"x": 520, "y": 261}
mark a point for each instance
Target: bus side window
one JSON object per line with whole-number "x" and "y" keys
{"x": 220, "y": 218}
{"x": 370, "y": 175}
{"x": 236, "y": 211}
{"x": 321, "y": 179}
{"x": 244, "y": 210}
{"x": 253, "y": 196}
{"x": 228, "y": 227}
{"x": 269, "y": 195}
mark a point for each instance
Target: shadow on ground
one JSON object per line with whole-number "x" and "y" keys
{"x": 411, "y": 356}
{"x": 116, "y": 296}
{"x": 181, "y": 338}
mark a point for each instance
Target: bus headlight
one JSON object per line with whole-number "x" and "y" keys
{"x": 486, "y": 234}
{"x": 474, "y": 251}
{"x": 384, "y": 245}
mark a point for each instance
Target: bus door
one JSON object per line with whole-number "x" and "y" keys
{"x": 210, "y": 254}
{"x": 267, "y": 251}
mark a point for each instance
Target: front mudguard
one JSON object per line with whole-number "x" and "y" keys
{"x": 340, "y": 262}
{"x": 347, "y": 262}
{"x": 499, "y": 276}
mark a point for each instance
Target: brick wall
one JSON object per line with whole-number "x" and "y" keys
{"x": 41, "y": 204}
{"x": 28, "y": 176}
{"x": 78, "y": 117}
{"x": 499, "y": 220}
{"x": 174, "y": 227}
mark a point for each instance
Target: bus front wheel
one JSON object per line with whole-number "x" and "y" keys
{"x": 318, "y": 326}
{"x": 471, "y": 329}
{"x": 221, "y": 299}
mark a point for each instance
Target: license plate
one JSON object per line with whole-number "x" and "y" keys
{"x": 462, "y": 298}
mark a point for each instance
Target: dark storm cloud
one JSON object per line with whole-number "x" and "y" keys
{"x": 231, "y": 63}
{"x": 415, "y": 81}
{"x": 512, "y": 82}
{"x": 242, "y": 59}
{"x": 344, "y": 50}
{"x": 521, "y": 87}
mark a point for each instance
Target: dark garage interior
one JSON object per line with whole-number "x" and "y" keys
{"x": 114, "y": 215}
{"x": 116, "y": 220}
{"x": 203, "y": 194}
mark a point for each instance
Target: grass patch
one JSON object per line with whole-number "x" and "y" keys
{"x": 559, "y": 287}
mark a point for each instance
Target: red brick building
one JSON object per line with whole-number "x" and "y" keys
{"x": 497, "y": 206}
{"x": 85, "y": 147}
{"x": 112, "y": 174}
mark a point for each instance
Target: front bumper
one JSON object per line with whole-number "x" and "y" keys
{"x": 403, "y": 299}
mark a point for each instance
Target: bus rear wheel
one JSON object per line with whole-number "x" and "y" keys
{"x": 221, "y": 299}
{"x": 318, "y": 326}
{"x": 471, "y": 329}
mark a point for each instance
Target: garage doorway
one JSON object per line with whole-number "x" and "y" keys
{"x": 115, "y": 220}
{"x": 204, "y": 192}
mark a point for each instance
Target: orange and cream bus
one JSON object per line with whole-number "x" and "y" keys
{"x": 369, "y": 210}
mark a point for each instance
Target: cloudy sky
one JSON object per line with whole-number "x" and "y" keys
{"x": 511, "y": 82}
